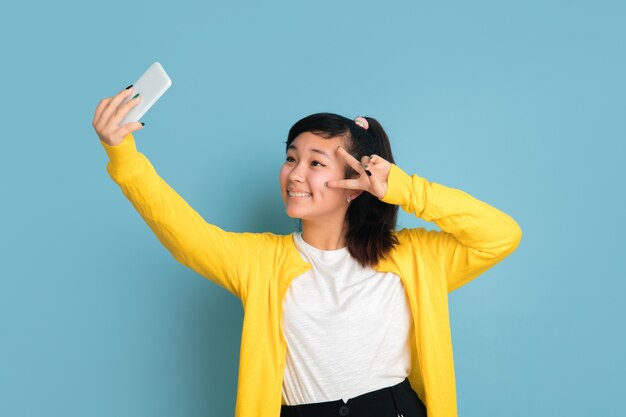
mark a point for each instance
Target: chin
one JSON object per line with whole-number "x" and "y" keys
{"x": 294, "y": 214}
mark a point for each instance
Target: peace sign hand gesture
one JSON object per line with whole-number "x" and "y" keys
{"x": 373, "y": 173}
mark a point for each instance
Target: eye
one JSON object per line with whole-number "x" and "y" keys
{"x": 317, "y": 162}
{"x": 289, "y": 159}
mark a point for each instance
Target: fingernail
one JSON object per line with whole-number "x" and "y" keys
{"x": 128, "y": 87}
{"x": 135, "y": 96}
{"x": 143, "y": 124}
{"x": 366, "y": 166}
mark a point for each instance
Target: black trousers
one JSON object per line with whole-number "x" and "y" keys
{"x": 398, "y": 400}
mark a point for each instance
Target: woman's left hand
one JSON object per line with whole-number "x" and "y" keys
{"x": 373, "y": 173}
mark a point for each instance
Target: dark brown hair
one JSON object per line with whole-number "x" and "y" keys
{"x": 371, "y": 223}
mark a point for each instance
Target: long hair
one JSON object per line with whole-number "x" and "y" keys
{"x": 371, "y": 223}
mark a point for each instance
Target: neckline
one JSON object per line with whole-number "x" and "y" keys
{"x": 320, "y": 252}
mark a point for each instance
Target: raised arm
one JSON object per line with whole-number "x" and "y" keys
{"x": 474, "y": 237}
{"x": 205, "y": 248}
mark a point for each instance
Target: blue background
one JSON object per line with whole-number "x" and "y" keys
{"x": 521, "y": 104}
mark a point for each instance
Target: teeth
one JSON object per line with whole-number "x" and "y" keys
{"x": 299, "y": 194}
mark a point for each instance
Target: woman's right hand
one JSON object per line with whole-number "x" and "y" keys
{"x": 108, "y": 115}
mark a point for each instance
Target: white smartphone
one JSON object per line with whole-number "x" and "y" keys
{"x": 150, "y": 87}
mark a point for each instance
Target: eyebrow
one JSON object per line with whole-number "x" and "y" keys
{"x": 312, "y": 150}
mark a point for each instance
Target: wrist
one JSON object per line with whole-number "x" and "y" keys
{"x": 122, "y": 153}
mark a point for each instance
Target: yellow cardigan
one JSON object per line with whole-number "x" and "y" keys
{"x": 258, "y": 267}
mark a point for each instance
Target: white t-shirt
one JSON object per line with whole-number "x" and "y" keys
{"x": 347, "y": 329}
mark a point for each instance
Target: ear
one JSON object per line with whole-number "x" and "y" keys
{"x": 355, "y": 193}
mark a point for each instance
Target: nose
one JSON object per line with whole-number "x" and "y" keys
{"x": 296, "y": 174}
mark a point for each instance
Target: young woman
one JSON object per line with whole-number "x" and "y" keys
{"x": 348, "y": 316}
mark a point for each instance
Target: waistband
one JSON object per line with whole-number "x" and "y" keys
{"x": 378, "y": 398}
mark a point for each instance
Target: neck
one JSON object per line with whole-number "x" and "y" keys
{"x": 325, "y": 235}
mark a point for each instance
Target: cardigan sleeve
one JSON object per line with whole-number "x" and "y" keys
{"x": 474, "y": 236}
{"x": 203, "y": 247}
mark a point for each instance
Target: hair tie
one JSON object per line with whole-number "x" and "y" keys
{"x": 362, "y": 121}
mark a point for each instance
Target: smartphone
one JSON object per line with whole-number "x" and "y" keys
{"x": 150, "y": 86}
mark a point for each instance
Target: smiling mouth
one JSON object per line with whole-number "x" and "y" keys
{"x": 298, "y": 195}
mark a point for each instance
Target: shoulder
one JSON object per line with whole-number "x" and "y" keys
{"x": 266, "y": 240}
{"x": 419, "y": 240}
{"x": 413, "y": 235}
{"x": 272, "y": 245}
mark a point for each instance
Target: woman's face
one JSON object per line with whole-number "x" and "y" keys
{"x": 311, "y": 161}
